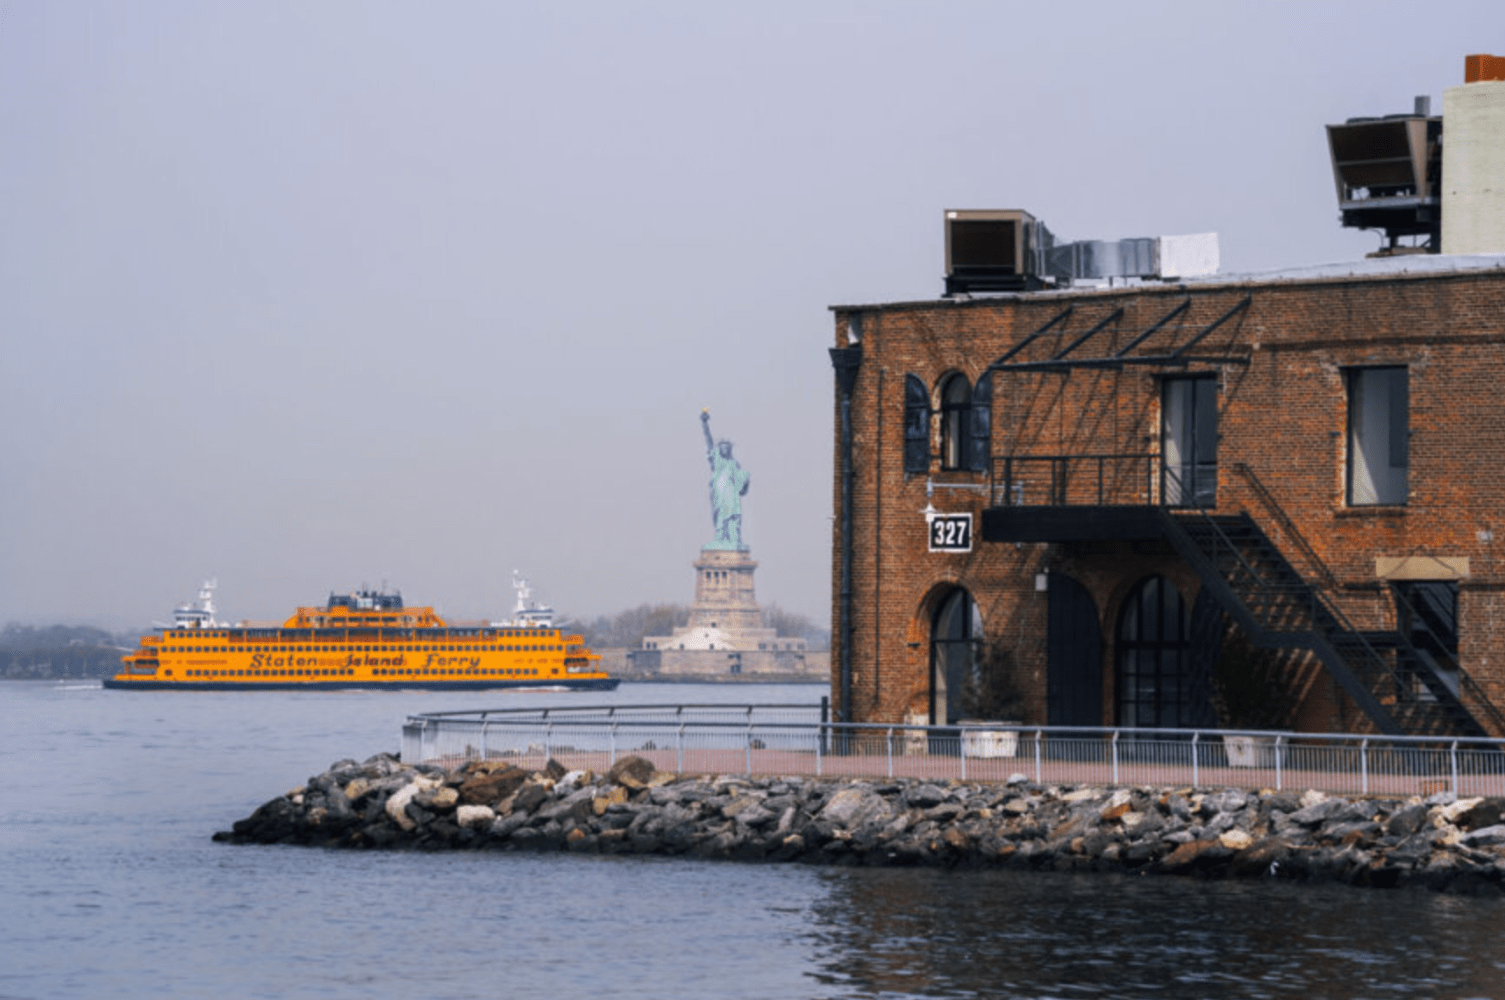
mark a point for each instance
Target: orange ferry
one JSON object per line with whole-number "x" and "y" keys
{"x": 362, "y": 640}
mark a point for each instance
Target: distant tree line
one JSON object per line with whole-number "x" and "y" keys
{"x": 627, "y": 628}
{"x": 29, "y": 652}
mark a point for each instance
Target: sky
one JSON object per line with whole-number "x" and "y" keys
{"x": 305, "y": 297}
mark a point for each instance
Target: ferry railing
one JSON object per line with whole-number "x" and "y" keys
{"x": 1349, "y": 764}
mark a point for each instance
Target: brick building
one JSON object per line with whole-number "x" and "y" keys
{"x": 1271, "y": 502}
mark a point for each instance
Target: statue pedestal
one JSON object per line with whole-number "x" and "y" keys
{"x": 725, "y": 633}
{"x": 724, "y": 597}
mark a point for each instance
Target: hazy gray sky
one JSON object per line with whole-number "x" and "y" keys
{"x": 308, "y": 295}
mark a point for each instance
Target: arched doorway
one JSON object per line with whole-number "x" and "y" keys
{"x": 1154, "y": 683}
{"x": 955, "y": 635}
{"x": 1074, "y": 655}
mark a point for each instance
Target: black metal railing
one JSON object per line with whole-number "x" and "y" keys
{"x": 1112, "y": 480}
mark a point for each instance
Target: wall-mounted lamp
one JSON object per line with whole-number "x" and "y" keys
{"x": 1042, "y": 581}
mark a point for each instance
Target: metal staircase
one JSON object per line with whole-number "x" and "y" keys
{"x": 1400, "y": 688}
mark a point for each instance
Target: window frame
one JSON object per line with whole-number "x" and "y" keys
{"x": 1358, "y": 425}
{"x": 955, "y": 393}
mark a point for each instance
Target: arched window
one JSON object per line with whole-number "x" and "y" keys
{"x": 1154, "y": 642}
{"x": 956, "y": 407}
{"x": 916, "y": 425}
{"x": 980, "y": 424}
{"x": 955, "y": 638}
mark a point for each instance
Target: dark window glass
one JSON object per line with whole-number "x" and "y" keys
{"x": 916, "y": 425}
{"x": 956, "y": 404}
{"x": 1154, "y": 658}
{"x": 980, "y": 424}
{"x": 1189, "y": 441}
{"x": 1379, "y": 436}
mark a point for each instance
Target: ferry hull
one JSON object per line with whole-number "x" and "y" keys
{"x": 553, "y": 683}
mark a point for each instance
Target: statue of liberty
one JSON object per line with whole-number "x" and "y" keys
{"x": 728, "y": 486}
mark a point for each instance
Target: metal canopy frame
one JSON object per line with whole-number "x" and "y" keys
{"x": 999, "y": 364}
{"x": 1179, "y": 358}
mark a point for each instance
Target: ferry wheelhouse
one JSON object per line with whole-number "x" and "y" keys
{"x": 368, "y": 639}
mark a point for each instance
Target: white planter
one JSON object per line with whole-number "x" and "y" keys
{"x": 989, "y": 742}
{"x": 1250, "y": 751}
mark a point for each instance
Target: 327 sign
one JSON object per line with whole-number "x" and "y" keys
{"x": 951, "y": 533}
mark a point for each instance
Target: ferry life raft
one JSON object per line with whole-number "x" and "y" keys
{"x": 363, "y": 640}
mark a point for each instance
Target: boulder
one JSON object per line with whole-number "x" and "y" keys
{"x": 925, "y": 796}
{"x": 1235, "y": 839}
{"x": 1486, "y": 836}
{"x": 614, "y": 797}
{"x": 492, "y": 785}
{"x": 631, "y": 772}
{"x": 1488, "y": 812}
{"x": 1318, "y": 812}
{"x": 475, "y": 817}
{"x": 439, "y": 799}
{"x": 397, "y": 803}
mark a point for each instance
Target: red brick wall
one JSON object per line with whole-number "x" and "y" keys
{"x": 1283, "y": 415}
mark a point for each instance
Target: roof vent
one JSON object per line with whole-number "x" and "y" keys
{"x": 994, "y": 250}
{"x": 1387, "y": 171}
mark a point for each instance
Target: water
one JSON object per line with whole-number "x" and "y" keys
{"x": 111, "y": 887}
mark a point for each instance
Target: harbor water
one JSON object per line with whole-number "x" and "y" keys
{"x": 112, "y": 888}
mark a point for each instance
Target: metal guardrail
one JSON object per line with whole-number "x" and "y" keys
{"x": 692, "y": 742}
{"x": 1073, "y": 480}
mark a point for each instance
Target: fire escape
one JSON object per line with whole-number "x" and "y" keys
{"x": 1406, "y": 680}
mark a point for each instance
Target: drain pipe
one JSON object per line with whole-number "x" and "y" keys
{"x": 846, "y": 361}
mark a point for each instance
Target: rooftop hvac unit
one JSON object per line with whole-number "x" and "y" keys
{"x": 994, "y": 250}
{"x": 1387, "y": 171}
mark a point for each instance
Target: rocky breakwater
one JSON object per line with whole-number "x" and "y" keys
{"x": 1441, "y": 842}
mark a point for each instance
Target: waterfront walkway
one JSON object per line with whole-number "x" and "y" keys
{"x": 791, "y": 740}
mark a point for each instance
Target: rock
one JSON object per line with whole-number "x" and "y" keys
{"x": 1229, "y": 801}
{"x": 438, "y": 799}
{"x": 925, "y": 796}
{"x": 1184, "y": 858}
{"x": 490, "y": 786}
{"x": 1451, "y": 812}
{"x": 1406, "y": 820}
{"x": 1260, "y": 858}
{"x": 1487, "y": 812}
{"x": 1485, "y": 836}
{"x": 553, "y": 770}
{"x": 397, "y": 803}
{"x": 529, "y": 797}
{"x": 1318, "y": 811}
{"x": 575, "y": 805}
{"x": 1115, "y": 812}
{"x": 614, "y": 797}
{"x": 1311, "y": 797}
{"x": 1235, "y": 839}
{"x": 475, "y": 817}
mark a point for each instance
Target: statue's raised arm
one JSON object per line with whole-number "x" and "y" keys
{"x": 710, "y": 442}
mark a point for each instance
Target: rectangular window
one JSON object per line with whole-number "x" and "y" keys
{"x": 1379, "y": 436}
{"x": 1189, "y": 444}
